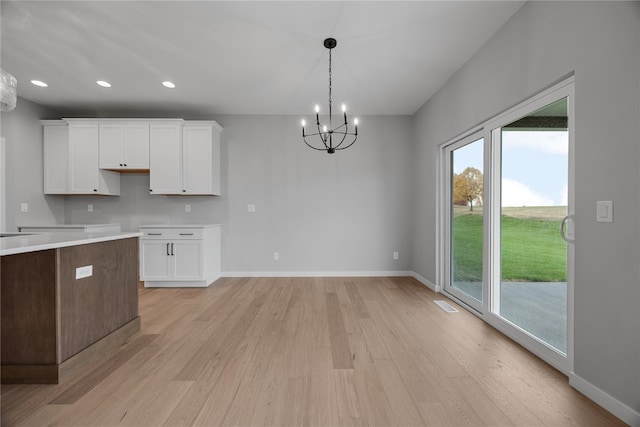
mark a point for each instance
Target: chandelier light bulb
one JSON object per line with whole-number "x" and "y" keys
{"x": 344, "y": 108}
{"x": 355, "y": 121}
{"x": 324, "y": 128}
{"x": 317, "y": 108}
{"x": 303, "y": 123}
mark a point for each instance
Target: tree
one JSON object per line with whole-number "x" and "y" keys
{"x": 467, "y": 187}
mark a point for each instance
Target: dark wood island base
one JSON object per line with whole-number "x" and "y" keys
{"x": 55, "y": 324}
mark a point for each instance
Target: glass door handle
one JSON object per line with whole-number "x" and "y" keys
{"x": 563, "y": 229}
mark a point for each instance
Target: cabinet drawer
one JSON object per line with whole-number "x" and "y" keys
{"x": 172, "y": 233}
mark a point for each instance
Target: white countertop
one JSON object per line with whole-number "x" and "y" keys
{"x": 69, "y": 226}
{"x": 180, "y": 226}
{"x": 25, "y": 242}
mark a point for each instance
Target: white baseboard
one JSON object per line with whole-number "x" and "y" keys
{"x": 426, "y": 282}
{"x": 413, "y": 274}
{"x": 608, "y": 402}
{"x": 317, "y": 273}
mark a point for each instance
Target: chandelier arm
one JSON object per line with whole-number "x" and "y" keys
{"x": 344, "y": 135}
{"x": 322, "y": 136}
{"x": 336, "y": 130}
{"x": 315, "y": 148}
{"x": 352, "y": 142}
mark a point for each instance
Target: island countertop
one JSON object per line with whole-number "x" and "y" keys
{"x": 20, "y": 243}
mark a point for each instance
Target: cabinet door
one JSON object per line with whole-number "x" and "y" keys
{"x": 83, "y": 158}
{"x": 187, "y": 259}
{"x": 197, "y": 165}
{"x": 165, "y": 159}
{"x": 111, "y": 146}
{"x": 136, "y": 147}
{"x": 56, "y": 159}
{"x": 155, "y": 260}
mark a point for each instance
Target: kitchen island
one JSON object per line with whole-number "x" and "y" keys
{"x": 67, "y": 299}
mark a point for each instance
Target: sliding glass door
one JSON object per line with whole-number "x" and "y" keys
{"x": 507, "y": 231}
{"x": 531, "y": 290}
{"x": 465, "y": 200}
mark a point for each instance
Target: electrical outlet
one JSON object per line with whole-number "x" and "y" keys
{"x": 82, "y": 272}
{"x": 24, "y": 207}
{"x": 251, "y": 208}
{"x": 396, "y": 255}
{"x": 276, "y": 256}
{"x": 89, "y": 207}
{"x": 187, "y": 208}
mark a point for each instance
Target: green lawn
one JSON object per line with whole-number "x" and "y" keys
{"x": 532, "y": 249}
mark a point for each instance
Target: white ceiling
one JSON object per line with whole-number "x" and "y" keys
{"x": 240, "y": 57}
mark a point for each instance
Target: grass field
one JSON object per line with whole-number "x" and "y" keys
{"x": 532, "y": 249}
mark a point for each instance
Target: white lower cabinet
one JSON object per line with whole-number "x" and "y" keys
{"x": 179, "y": 256}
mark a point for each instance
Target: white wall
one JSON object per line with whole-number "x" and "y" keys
{"x": 23, "y": 172}
{"x": 544, "y": 41}
{"x": 343, "y": 212}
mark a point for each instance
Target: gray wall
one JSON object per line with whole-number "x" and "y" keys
{"x": 24, "y": 168}
{"x": 542, "y": 42}
{"x": 344, "y": 212}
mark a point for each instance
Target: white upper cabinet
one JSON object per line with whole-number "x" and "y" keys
{"x": 165, "y": 159}
{"x": 86, "y": 156}
{"x": 124, "y": 147}
{"x": 56, "y": 157}
{"x": 85, "y": 176}
{"x": 71, "y": 160}
{"x": 186, "y": 159}
{"x": 201, "y": 158}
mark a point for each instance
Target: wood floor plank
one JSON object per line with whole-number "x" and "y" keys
{"x": 340, "y": 350}
{"x": 308, "y": 351}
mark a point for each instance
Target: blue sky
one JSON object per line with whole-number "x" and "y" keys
{"x": 534, "y": 167}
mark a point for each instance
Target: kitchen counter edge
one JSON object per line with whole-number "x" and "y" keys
{"x": 44, "y": 241}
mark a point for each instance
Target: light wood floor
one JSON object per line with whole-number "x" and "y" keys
{"x": 308, "y": 351}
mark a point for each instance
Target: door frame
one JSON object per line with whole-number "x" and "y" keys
{"x": 491, "y": 272}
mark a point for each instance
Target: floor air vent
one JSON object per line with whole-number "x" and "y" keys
{"x": 446, "y": 306}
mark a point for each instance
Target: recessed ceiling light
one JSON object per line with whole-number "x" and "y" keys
{"x": 103, "y": 83}
{"x": 168, "y": 84}
{"x": 39, "y": 83}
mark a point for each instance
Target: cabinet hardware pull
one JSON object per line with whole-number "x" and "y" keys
{"x": 168, "y": 249}
{"x": 184, "y": 191}
{"x": 154, "y": 234}
{"x": 186, "y": 234}
{"x": 95, "y": 189}
{"x": 172, "y": 249}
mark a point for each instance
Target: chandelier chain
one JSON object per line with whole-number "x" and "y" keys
{"x": 330, "y": 112}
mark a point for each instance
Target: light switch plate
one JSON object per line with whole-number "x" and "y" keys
{"x": 24, "y": 207}
{"x": 251, "y": 208}
{"x": 604, "y": 211}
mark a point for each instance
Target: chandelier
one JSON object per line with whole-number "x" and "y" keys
{"x": 8, "y": 91}
{"x": 330, "y": 139}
